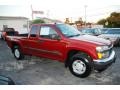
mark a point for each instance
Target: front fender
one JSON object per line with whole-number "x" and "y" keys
{"x": 89, "y": 51}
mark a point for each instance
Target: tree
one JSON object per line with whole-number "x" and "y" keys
{"x": 102, "y": 22}
{"x": 38, "y": 21}
{"x": 113, "y": 21}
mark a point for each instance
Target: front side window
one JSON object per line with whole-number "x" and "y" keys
{"x": 47, "y": 32}
{"x": 34, "y": 31}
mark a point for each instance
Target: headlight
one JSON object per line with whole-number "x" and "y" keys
{"x": 101, "y": 52}
{"x": 101, "y": 48}
{"x": 100, "y": 55}
{"x": 98, "y": 49}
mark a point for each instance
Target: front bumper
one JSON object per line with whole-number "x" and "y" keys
{"x": 104, "y": 63}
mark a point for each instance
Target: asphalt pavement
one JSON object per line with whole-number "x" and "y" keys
{"x": 41, "y": 71}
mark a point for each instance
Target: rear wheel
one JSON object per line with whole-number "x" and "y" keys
{"x": 2, "y": 37}
{"x": 17, "y": 53}
{"x": 80, "y": 66}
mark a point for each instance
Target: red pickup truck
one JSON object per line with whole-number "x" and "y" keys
{"x": 80, "y": 53}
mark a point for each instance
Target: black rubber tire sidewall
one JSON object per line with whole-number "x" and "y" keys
{"x": 85, "y": 60}
{"x": 21, "y": 55}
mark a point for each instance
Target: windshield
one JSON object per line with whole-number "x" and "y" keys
{"x": 113, "y": 31}
{"x": 68, "y": 30}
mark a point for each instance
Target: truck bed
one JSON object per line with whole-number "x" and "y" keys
{"x": 19, "y": 36}
{"x": 23, "y": 35}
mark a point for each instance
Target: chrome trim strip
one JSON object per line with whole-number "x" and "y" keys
{"x": 111, "y": 57}
{"x": 110, "y": 47}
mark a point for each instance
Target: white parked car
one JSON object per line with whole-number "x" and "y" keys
{"x": 112, "y": 34}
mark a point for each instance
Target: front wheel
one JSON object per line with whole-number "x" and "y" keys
{"x": 80, "y": 66}
{"x": 17, "y": 53}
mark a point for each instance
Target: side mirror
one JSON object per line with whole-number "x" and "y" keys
{"x": 6, "y": 81}
{"x": 55, "y": 37}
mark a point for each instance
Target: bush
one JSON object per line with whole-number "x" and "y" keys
{"x": 38, "y": 21}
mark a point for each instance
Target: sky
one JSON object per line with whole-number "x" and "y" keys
{"x": 61, "y": 9}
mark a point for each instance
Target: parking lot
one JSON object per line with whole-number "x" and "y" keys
{"x": 35, "y": 70}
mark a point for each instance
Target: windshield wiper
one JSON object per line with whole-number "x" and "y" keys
{"x": 74, "y": 35}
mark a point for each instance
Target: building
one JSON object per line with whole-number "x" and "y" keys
{"x": 20, "y": 24}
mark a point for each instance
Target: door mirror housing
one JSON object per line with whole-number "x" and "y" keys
{"x": 55, "y": 37}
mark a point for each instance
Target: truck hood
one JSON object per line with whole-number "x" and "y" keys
{"x": 92, "y": 39}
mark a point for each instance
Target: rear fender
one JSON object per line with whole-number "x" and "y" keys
{"x": 16, "y": 43}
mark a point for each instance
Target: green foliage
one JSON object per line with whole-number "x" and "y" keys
{"x": 113, "y": 21}
{"x": 38, "y": 21}
{"x": 101, "y": 22}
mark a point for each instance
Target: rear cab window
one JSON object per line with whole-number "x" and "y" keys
{"x": 34, "y": 31}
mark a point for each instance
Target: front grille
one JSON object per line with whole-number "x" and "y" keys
{"x": 107, "y": 53}
{"x": 110, "y": 46}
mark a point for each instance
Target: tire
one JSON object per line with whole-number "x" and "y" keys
{"x": 1, "y": 37}
{"x": 80, "y": 65}
{"x": 17, "y": 53}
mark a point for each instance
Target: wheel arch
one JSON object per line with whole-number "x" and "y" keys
{"x": 14, "y": 44}
{"x": 73, "y": 52}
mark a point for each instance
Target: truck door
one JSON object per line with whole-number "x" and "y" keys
{"x": 33, "y": 40}
{"x": 49, "y": 47}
